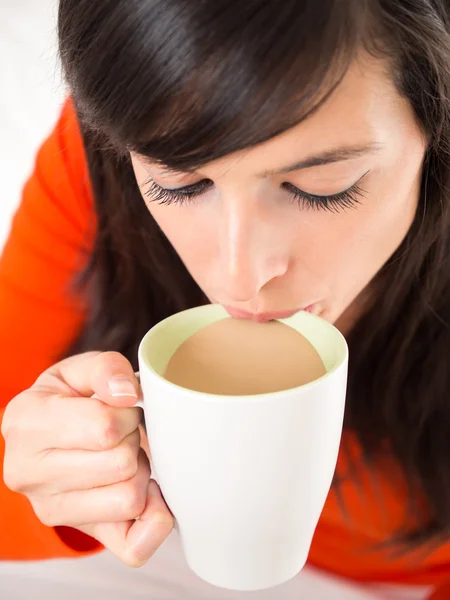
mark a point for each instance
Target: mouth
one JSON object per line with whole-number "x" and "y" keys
{"x": 237, "y": 313}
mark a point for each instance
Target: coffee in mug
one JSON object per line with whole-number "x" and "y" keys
{"x": 237, "y": 357}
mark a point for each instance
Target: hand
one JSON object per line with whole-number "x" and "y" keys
{"x": 80, "y": 460}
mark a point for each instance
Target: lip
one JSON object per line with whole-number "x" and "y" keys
{"x": 237, "y": 313}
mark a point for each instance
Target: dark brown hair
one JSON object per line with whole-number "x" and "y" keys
{"x": 187, "y": 82}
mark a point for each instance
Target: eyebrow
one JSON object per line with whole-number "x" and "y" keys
{"x": 329, "y": 156}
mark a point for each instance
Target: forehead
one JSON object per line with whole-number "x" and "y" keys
{"x": 365, "y": 109}
{"x": 360, "y": 111}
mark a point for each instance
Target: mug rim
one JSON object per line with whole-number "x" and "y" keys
{"x": 266, "y": 396}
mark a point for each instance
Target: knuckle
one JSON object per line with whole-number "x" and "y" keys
{"x": 106, "y": 360}
{"x": 46, "y": 514}
{"x": 7, "y": 423}
{"x": 10, "y": 424}
{"x": 126, "y": 459}
{"x": 15, "y": 476}
{"x": 46, "y": 519}
{"x": 107, "y": 430}
{"x": 20, "y": 417}
{"x": 134, "y": 498}
{"x": 14, "y": 479}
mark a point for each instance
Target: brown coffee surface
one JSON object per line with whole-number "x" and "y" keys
{"x": 241, "y": 357}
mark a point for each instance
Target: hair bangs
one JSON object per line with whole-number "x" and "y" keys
{"x": 183, "y": 98}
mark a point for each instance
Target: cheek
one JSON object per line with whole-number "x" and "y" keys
{"x": 180, "y": 225}
{"x": 190, "y": 232}
{"x": 394, "y": 208}
{"x": 346, "y": 250}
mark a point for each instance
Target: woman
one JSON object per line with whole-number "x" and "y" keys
{"x": 267, "y": 156}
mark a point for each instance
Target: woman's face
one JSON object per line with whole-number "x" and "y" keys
{"x": 305, "y": 219}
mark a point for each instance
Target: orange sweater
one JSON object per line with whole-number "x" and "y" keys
{"x": 51, "y": 238}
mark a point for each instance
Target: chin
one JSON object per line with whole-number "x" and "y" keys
{"x": 329, "y": 314}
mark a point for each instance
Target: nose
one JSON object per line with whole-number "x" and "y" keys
{"x": 253, "y": 252}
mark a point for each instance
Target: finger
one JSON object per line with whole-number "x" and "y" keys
{"x": 70, "y": 470}
{"x": 74, "y": 423}
{"x": 134, "y": 542}
{"x": 119, "y": 502}
{"x": 109, "y": 375}
{"x": 144, "y": 441}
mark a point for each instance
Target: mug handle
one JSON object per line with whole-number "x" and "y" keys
{"x": 139, "y": 403}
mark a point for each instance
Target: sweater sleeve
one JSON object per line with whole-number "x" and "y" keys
{"x": 40, "y": 311}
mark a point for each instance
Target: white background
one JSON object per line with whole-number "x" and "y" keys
{"x": 31, "y": 93}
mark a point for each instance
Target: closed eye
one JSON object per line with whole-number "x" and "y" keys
{"x": 167, "y": 196}
{"x": 345, "y": 199}
{"x": 348, "y": 198}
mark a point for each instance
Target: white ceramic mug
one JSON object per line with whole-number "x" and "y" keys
{"x": 246, "y": 477}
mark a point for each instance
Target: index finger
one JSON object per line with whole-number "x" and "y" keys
{"x": 108, "y": 375}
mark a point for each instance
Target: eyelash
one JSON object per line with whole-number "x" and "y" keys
{"x": 346, "y": 199}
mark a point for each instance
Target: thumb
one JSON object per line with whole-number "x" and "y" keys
{"x": 107, "y": 375}
{"x": 134, "y": 542}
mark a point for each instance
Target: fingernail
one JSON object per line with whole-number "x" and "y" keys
{"x": 121, "y": 386}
